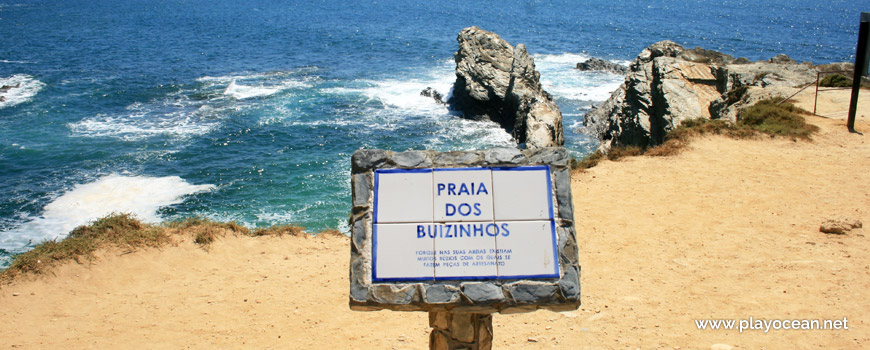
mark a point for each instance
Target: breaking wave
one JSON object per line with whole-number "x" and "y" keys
{"x": 141, "y": 196}
{"x": 18, "y": 89}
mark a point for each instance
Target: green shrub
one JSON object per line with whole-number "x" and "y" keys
{"x": 773, "y": 117}
{"x": 835, "y": 80}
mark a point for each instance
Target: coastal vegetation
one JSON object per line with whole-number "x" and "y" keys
{"x": 125, "y": 232}
{"x": 773, "y": 117}
{"x": 835, "y": 80}
{"x": 776, "y": 117}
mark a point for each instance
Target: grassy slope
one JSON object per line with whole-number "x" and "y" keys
{"x": 126, "y": 232}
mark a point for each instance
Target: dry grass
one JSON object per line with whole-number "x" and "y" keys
{"x": 591, "y": 160}
{"x": 615, "y": 154}
{"x": 119, "y": 230}
{"x": 125, "y": 231}
{"x": 278, "y": 231}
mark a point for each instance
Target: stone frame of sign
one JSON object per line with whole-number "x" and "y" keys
{"x": 514, "y": 206}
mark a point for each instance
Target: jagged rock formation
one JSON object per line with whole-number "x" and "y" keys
{"x": 668, "y": 84}
{"x": 433, "y": 94}
{"x": 496, "y": 81}
{"x": 599, "y": 65}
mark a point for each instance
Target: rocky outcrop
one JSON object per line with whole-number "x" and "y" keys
{"x": 496, "y": 81}
{"x": 668, "y": 84}
{"x": 433, "y": 94}
{"x": 701, "y": 55}
{"x": 781, "y": 59}
{"x": 599, "y": 65}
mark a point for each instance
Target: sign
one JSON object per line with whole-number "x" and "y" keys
{"x": 486, "y": 223}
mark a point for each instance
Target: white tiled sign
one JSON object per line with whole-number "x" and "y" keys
{"x": 528, "y": 250}
{"x": 400, "y": 255}
{"x": 464, "y": 223}
{"x": 528, "y": 197}
{"x": 403, "y": 196}
{"x": 462, "y": 194}
{"x": 466, "y": 251}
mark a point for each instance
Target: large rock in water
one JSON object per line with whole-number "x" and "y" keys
{"x": 599, "y": 65}
{"x": 668, "y": 84}
{"x": 496, "y": 81}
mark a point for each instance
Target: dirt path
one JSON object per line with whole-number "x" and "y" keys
{"x": 726, "y": 230}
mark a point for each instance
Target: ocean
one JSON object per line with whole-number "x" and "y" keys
{"x": 249, "y": 111}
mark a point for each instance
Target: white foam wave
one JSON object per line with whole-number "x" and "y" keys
{"x": 17, "y": 89}
{"x": 255, "y": 76}
{"x": 241, "y": 92}
{"x": 192, "y": 111}
{"x": 560, "y": 79}
{"x": 279, "y": 217}
{"x": 469, "y": 134}
{"x": 144, "y": 121}
{"x": 405, "y": 94}
{"x": 141, "y": 196}
{"x": 385, "y": 105}
{"x": 14, "y": 61}
{"x": 567, "y": 59}
{"x": 581, "y": 86}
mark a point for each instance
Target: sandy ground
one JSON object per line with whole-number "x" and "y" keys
{"x": 726, "y": 230}
{"x": 834, "y": 102}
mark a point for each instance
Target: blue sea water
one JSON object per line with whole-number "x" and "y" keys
{"x": 250, "y": 110}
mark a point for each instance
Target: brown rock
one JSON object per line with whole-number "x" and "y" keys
{"x": 839, "y": 226}
{"x": 496, "y": 81}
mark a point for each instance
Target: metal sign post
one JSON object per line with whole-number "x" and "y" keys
{"x": 861, "y": 58}
{"x": 462, "y": 235}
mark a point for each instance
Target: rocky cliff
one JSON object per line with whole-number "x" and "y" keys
{"x": 667, "y": 84}
{"x": 496, "y": 81}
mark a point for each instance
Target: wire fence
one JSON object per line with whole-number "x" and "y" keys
{"x": 823, "y": 89}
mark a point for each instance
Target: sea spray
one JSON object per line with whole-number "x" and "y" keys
{"x": 18, "y": 89}
{"x": 141, "y": 196}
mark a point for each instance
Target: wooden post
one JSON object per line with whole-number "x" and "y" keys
{"x": 816, "y": 100}
{"x": 453, "y": 331}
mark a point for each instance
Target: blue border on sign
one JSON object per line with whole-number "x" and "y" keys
{"x": 461, "y": 169}
{"x": 375, "y": 249}
{"x": 546, "y": 168}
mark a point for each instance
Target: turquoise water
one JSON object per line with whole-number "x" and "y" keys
{"x": 249, "y": 111}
